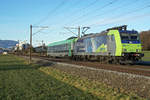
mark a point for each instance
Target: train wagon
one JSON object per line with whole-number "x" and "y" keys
{"x": 61, "y": 48}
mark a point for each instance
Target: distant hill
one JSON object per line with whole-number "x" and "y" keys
{"x": 7, "y": 43}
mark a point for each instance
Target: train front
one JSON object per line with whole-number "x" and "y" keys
{"x": 131, "y": 45}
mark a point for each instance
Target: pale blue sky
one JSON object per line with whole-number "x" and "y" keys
{"x": 17, "y": 15}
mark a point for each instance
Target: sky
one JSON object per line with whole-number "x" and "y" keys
{"x": 16, "y": 16}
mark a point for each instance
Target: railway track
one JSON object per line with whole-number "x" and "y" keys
{"x": 138, "y": 68}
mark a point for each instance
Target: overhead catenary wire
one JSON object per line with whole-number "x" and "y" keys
{"x": 102, "y": 22}
{"x": 51, "y": 12}
{"x": 107, "y": 12}
{"x": 61, "y": 5}
{"x": 126, "y": 19}
{"x": 119, "y": 16}
{"x": 86, "y": 7}
{"x": 72, "y": 14}
{"x": 117, "y": 8}
{"x": 138, "y": 9}
{"x": 68, "y": 28}
{"x": 91, "y": 11}
{"x": 38, "y": 31}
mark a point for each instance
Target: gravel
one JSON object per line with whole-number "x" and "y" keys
{"x": 123, "y": 82}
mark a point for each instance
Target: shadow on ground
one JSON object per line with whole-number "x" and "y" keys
{"x": 16, "y": 66}
{"x": 145, "y": 63}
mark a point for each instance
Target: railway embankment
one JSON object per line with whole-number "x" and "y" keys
{"x": 119, "y": 81}
{"x": 122, "y": 82}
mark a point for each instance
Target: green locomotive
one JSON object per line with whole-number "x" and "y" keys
{"x": 115, "y": 45}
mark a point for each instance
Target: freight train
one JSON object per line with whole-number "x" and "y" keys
{"x": 115, "y": 45}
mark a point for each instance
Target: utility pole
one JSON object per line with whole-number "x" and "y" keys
{"x": 42, "y": 42}
{"x": 18, "y": 47}
{"x": 30, "y": 43}
{"x": 78, "y": 31}
{"x": 31, "y": 38}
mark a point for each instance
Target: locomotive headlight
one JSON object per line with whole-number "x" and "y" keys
{"x": 124, "y": 50}
{"x": 137, "y": 50}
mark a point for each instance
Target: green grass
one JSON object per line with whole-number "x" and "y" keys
{"x": 146, "y": 56}
{"x": 20, "y": 81}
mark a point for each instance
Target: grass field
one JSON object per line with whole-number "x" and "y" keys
{"x": 21, "y": 81}
{"x": 146, "y": 56}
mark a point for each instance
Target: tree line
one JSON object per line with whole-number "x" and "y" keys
{"x": 145, "y": 39}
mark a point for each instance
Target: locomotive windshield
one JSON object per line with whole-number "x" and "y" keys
{"x": 124, "y": 36}
{"x": 129, "y": 36}
{"x": 134, "y": 37}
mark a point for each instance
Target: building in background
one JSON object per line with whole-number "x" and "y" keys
{"x": 21, "y": 46}
{"x": 1, "y": 50}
